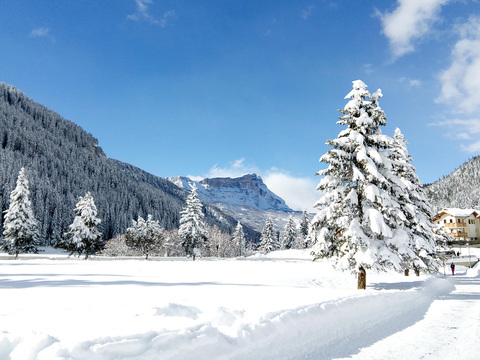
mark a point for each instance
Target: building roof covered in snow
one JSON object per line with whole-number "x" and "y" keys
{"x": 456, "y": 212}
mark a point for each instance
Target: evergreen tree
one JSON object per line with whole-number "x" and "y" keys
{"x": 20, "y": 226}
{"x": 416, "y": 208}
{"x": 289, "y": 234}
{"x": 304, "y": 229}
{"x": 239, "y": 240}
{"x": 144, "y": 235}
{"x": 268, "y": 240}
{"x": 84, "y": 235}
{"x": 192, "y": 228}
{"x": 357, "y": 212}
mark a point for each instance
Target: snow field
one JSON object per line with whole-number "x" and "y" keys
{"x": 281, "y": 306}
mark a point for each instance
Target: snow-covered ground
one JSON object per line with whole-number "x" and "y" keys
{"x": 281, "y": 306}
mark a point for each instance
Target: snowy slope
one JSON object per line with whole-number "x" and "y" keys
{"x": 281, "y": 306}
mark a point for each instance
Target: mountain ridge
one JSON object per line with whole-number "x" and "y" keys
{"x": 248, "y": 190}
{"x": 245, "y": 198}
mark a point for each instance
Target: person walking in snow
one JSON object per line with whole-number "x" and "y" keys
{"x": 453, "y": 268}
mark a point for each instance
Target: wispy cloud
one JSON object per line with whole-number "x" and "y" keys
{"x": 368, "y": 68}
{"x": 234, "y": 169}
{"x": 410, "y": 21}
{"x": 305, "y": 13}
{"x": 41, "y": 32}
{"x": 466, "y": 131}
{"x": 411, "y": 82}
{"x": 298, "y": 192}
{"x": 143, "y": 13}
{"x": 461, "y": 81}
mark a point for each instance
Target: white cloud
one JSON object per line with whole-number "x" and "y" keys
{"x": 368, "y": 68}
{"x": 410, "y": 21}
{"x": 471, "y": 148}
{"x": 461, "y": 81}
{"x": 142, "y": 13}
{"x": 411, "y": 82}
{"x": 41, "y": 32}
{"x": 464, "y": 130}
{"x": 305, "y": 14}
{"x": 298, "y": 192}
{"x": 234, "y": 169}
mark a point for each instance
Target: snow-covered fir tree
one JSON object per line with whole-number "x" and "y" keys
{"x": 145, "y": 235}
{"x": 303, "y": 228}
{"x": 20, "y": 226}
{"x": 269, "y": 241}
{"x": 418, "y": 225}
{"x": 289, "y": 234}
{"x": 192, "y": 228}
{"x": 358, "y": 214}
{"x": 239, "y": 240}
{"x": 84, "y": 235}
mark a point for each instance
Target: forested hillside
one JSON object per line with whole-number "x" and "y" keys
{"x": 63, "y": 162}
{"x": 459, "y": 189}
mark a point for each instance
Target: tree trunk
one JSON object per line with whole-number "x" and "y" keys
{"x": 407, "y": 272}
{"x": 417, "y": 271}
{"x": 86, "y": 256}
{"x": 362, "y": 278}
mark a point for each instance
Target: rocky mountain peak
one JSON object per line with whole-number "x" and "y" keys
{"x": 246, "y": 191}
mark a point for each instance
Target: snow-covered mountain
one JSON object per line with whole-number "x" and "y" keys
{"x": 246, "y": 198}
{"x": 460, "y": 189}
{"x": 248, "y": 190}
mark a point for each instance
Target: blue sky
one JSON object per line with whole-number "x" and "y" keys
{"x": 223, "y": 88}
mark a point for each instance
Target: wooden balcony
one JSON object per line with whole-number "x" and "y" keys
{"x": 456, "y": 225}
{"x": 458, "y": 234}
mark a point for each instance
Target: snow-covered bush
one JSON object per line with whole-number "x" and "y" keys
{"x": 145, "y": 235}
{"x": 118, "y": 247}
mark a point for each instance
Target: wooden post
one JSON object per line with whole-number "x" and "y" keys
{"x": 407, "y": 272}
{"x": 362, "y": 278}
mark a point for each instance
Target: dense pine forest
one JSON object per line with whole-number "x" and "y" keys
{"x": 63, "y": 162}
{"x": 460, "y": 189}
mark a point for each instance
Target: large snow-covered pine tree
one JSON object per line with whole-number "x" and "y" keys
{"x": 84, "y": 235}
{"x": 192, "y": 228}
{"x": 268, "y": 240}
{"x": 357, "y": 213}
{"x": 20, "y": 226}
{"x": 418, "y": 225}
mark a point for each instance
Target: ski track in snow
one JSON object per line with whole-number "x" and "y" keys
{"x": 428, "y": 318}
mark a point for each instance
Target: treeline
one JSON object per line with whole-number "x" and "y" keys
{"x": 63, "y": 162}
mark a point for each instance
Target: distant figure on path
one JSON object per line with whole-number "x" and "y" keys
{"x": 453, "y": 268}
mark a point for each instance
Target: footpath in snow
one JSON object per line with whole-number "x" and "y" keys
{"x": 449, "y": 330}
{"x": 283, "y": 306}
